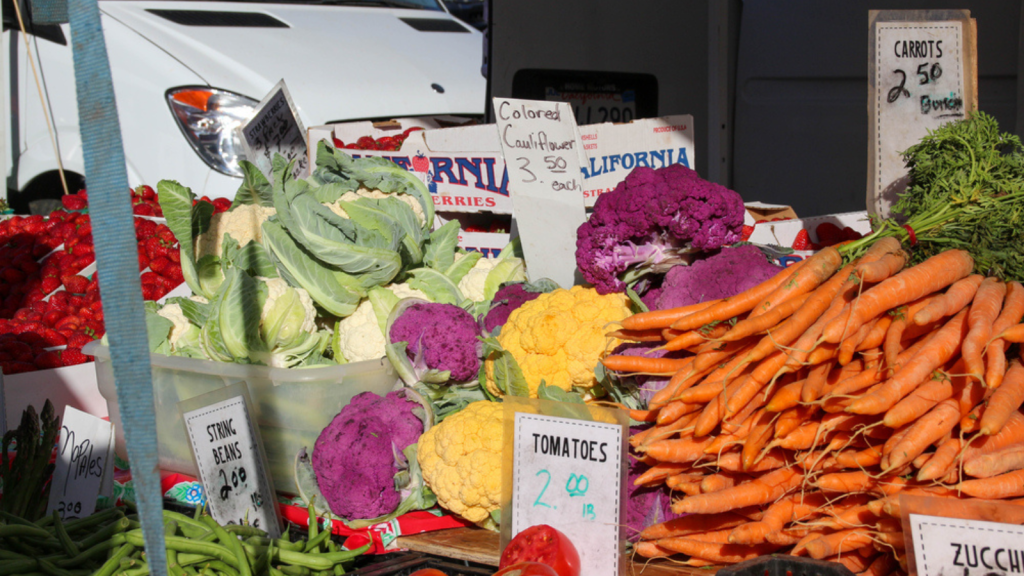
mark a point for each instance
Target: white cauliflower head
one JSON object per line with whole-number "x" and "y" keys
{"x": 475, "y": 285}
{"x": 243, "y": 222}
{"x": 288, "y": 313}
{"x": 181, "y": 324}
{"x": 363, "y": 192}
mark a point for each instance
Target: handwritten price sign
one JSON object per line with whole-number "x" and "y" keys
{"x": 568, "y": 474}
{"x": 275, "y": 128}
{"x": 83, "y": 458}
{"x": 230, "y": 465}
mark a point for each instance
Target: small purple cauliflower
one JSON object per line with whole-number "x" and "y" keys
{"x": 645, "y": 505}
{"x": 652, "y": 220}
{"x": 507, "y": 299}
{"x": 723, "y": 275}
{"x": 444, "y": 335}
{"x": 354, "y": 457}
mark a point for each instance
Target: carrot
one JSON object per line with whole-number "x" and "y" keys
{"x": 860, "y": 481}
{"x": 772, "y": 460}
{"x": 855, "y": 563}
{"x": 786, "y": 397}
{"x": 882, "y": 565}
{"x": 792, "y": 418}
{"x": 988, "y": 465}
{"x": 838, "y": 543}
{"x": 675, "y": 410}
{"x": 721, "y": 481}
{"x": 950, "y": 302}
{"x": 812, "y": 273}
{"x": 922, "y": 399}
{"x": 875, "y": 266}
{"x": 657, "y": 319}
{"x": 760, "y": 434}
{"x": 691, "y": 338}
{"x": 849, "y": 345}
{"x": 1008, "y": 485}
{"x": 865, "y": 458}
{"x": 682, "y": 450}
{"x": 925, "y": 431}
{"x": 729, "y": 424}
{"x": 936, "y": 352}
{"x": 941, "y": 461}
{"x": 1004, "y": 401}
{"x": 984, "y": 311}
{"x": 1012, "y": 312}
{"x": 829, "y": 301}
{"x": 657, "y": 474}
{"x": 876, "y": 336}
{"x": 716, "y": 552}
{"x": 760, "y": 491}
{"x": 729, "y": 307}
{"x": 692, "y": 524}
{"x": 1012, "y": 433}
{"x": 709, "y": 417}
{"x": 644, "y": 365}
{"x": 682, "y": 379}
{"x": 652, "y": 335}
{"x": 792, "y": 508}
{"x": 928, "y": 277}
{"x": 1013, "y": 334}
{"x": 900, "y": 320}
{"x": 758, "y": 324}
{"x": 652, "y": 550}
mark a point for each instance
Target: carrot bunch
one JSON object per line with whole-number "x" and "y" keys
{"x": 810, "y": 402}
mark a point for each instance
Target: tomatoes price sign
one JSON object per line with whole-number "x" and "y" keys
{"x": 567, "y": 473}
{"x": 231, "y": 464}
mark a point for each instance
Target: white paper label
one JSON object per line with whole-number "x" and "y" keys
{"x": 275, "y": 128}
{"x": 542, "y": 152}
{"x": 958, "y": 547}
{"x": 568, "y": 474}
{"x": 83, "y": 457}
{"x": 230, "y": 468}
{"x": 919, "y": 84}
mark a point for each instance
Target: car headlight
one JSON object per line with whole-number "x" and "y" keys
{"x": 208, "y": 118}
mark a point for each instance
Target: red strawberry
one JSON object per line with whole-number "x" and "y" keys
{"x": 52, "y": 317}
{"x": 83, "y": 248}
{"x": 851, "y": 234}
{"x": 150, "y": 291}
{"x": 50, "y": 284}
{"x": 747, "y": 231}
{"x": 366, "y": 143}
{"x": 146, "y": 192}
{"x": 47, "y": 360}
{"x": 59, "y": 300}
{"x": 144, "y": 228}
{"x": 221, "y": 205}
{"x": 154, "y": 247}
{"x": 386, "y": 143}
{"x": 81, "y": 262}
{"x": 159, "y": 265}
{"x": 71, "y": 356}
{"x": 19, "y": 350}
{"x": 165, "y": 234}
{"x": 78, "y": 339}
{"x": 174, "y": 273}
{"x": 72, "y": 322}
{"x": 54, "y": 338}
{"x": 828, "y": 234}
{"x": 75, "y": 284}
{"x": 143, "y": 209}
{"x": 71, "y": 202}
{"x": 12, "y": 275}
{"x": 174, "y": 255}
{"x": 15, "y": 367}
{"x": 337, "y": 143}
{"x": 802, "y": 241}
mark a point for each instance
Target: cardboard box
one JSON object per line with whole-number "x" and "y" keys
{"x": 465, "y": 170}
{"x": 783, "y": 233}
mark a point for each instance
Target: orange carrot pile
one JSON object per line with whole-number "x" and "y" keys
{"x": 807, "y": 404}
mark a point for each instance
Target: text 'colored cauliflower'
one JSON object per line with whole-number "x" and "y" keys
{"x": 654, "y": 219}
{"x": 461, "y": 461}
{"x": 559, "y": 337}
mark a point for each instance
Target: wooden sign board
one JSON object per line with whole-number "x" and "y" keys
{"x": 922, "y": 74}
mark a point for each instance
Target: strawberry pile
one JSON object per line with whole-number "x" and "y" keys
{"x": 158, "y": 251}
{"x": 828, "y": 234}
{"x": 382, "y": 143}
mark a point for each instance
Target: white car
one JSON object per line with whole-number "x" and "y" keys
{"x": 186, "y": 73}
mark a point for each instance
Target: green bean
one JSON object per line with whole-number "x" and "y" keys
{"x": 274, "y": 571}
{"x": 11, "y": 555}
{"x": 289, "y": 545}
{"x": 314, "y": 523}
{"x": 170, "y": 529}
{"x": 43, "y": 521}
{"x": 98, "y": 549}
{"x": 174, "y": 570}
{"x": 89, "y": 521}
{"x": 244, "y": 530}
{"x": 232, "y": 543}
{"x": 49, "y": 568}
{"x": 185, "y": 545}
{"x": 296, "y": 570}
{"x": 210, "y": 536}
{"x": 18, "y": 545}
{"x": 189, "y": 526}
{"x": 140, "y": 571}
{"x": 315, "y": 543}
{"x": 134, "y": 524}
{"x": 62, "y": 536}
{"x": 19, "y": 566}
{"x": 220, "y": 567}
{"x": 114, "y": 562}
{"x": 190, "y": 571}
{"x": 106, "y": 533}
{"x": 188, "y": 559}
{"x": 24, "y": 531}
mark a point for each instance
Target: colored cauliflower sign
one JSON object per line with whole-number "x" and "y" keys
{"x": 654, "y": 219}
{"x": 559, "y": 337}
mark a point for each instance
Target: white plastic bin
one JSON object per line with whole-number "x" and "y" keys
{"x": 292, "y": 405}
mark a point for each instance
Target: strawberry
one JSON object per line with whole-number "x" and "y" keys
{"x": 71, "y": 356}
{"x": 154, "y": 247}
{"x": 174, "y": 273}
{"x": 828, "y": 234}
{"x": 19, "y": 350}
{"x": 80, "y": 263}
{"x": 59, "y": 300}
{"x": 851, "y": 234}
{"x": 746, "y": 232}
{"x": 72, "y": 322}
{"x": 144, "y": 228}
{"x": 41, "y": 249}
{"x": 12, "y": 275}
{"x": 165, "y": 234}
{"x": 52, "y": 317}
{"x": 802, "y": 240}
{"x": 84, "y": 231}
{"x": 150, "y": 291}
{"x": 366, "y": 143}
{"x": 143, "y": 209}
{"x": 50, "y": 284}
{"x": 78, "y": 339}
{"x": 94, "y": 284}
{"x": 174, "y": 255}
{"x": 146, "y": 192}
{"x": 76, "y": 301}
{"x": 386, "y": 143}
{"x": 47, "y": 360}
{"x": 71, "y": 202}
{"x": 337, "y": 143}
{"x": 75, "y": 284}
{"x": 15, "y": 367}
{"x": 54, "y": 338}
{"x": 143, "y": 259}
{"x": 159, "y": 265}
{"x": 221, "y": 205}
{"x": 83, "y": 248}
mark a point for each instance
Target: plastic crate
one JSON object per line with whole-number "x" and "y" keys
{"x": 292, "y": 405}
{"x": 407, "y": 563}
{"x": 785, "y": 566}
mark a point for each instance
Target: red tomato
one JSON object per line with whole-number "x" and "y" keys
{"x": 543, "y": 544}
{"x": 428, "y": 572}
{"x": 527, "y": 569}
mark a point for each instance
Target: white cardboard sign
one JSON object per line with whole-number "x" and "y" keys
{"x": 568, "y": 474}
{"x": 231, "y": 469}
{"x": 84, "y": 459}
{"x": 275, "y": 128}
{"x": 541, "y": 147}
{"x": 921, "y": 81}
{"x": 959, "y": 547}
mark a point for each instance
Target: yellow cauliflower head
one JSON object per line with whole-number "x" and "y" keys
{"x": 560, "y": 336}
{"x": 461, "y": 461}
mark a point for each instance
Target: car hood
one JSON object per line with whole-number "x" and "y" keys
{"x": 339, "y": 62}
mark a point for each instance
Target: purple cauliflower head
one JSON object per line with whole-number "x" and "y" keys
{"x": 354, "y": 457}
{"x": 443, "y": 335}
{"x": 722, "y": 275}
{"x": 653, "y": 220}
{"x": 506, "y": 300}
{"x": 645, "y": 505}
